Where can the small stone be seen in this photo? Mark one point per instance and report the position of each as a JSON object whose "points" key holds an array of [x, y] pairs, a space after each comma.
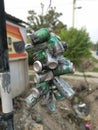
{"points": [[87, 118], [37, 127]]}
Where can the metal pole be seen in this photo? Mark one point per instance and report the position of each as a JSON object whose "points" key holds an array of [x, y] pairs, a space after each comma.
{"points": [[5, 89]]}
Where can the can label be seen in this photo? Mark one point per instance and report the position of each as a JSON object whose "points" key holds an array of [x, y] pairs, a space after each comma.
{"points": [[63, 87], [30, 100], [58, 95]]}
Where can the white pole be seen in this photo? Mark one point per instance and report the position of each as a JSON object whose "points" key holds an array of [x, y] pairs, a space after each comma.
{"points": [[6, 95], [73, 13]]}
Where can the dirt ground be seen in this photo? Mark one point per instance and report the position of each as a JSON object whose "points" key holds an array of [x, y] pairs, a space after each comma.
{"points": [[64, 118]]}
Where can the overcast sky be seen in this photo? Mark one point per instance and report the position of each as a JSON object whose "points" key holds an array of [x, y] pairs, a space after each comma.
{"points": [[86, 17]]}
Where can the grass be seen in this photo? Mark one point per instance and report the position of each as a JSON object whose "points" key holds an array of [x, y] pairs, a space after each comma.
{"points": [[94, 59], [95, 70]]}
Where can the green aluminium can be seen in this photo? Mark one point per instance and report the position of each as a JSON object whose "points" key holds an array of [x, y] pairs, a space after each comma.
{"points": [[41, 55], [41, 77], [64, 67], [58, 95], [42, 35], [55, 45], [63, 87], [40, 58], [43, 87], [36, 92], [30, 101]]}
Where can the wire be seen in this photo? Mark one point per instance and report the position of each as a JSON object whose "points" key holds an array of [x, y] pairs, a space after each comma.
{"points": [[88, 0]]}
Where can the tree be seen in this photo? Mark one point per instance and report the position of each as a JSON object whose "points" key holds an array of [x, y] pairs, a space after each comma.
{"points": [[49, 20], [79, 44]]}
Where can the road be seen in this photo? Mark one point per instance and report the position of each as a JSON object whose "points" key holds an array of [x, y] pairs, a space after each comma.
{"points": [[88, 74], [91, 77], [81, 78], [94, 54]]}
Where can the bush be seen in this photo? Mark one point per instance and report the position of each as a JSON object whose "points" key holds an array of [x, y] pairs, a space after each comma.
{"points": [[79, 44], [30, 58]]}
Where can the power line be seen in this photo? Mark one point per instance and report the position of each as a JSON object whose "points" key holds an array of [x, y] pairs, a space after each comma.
{"points": [[88, 0]]}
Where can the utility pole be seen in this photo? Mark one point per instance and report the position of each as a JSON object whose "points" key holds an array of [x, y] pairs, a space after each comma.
{"points": [[73, 15], [73, 11], [5, 88]]}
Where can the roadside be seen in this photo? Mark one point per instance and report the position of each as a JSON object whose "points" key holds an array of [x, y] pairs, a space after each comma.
{"points": [[91, 77], [64, 118], [92, 74], [88, 74], [94, 54]]}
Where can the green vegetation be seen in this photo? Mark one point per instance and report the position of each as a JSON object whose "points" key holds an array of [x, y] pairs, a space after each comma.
{"points": [[95, 70], [30, 59], [49, 20], [79, 44]]}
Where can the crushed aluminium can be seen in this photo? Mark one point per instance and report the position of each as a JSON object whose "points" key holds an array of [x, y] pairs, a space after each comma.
{"points": [[30, 101], [64, 67], [63, 87], [47, 76], [40, 36]]}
